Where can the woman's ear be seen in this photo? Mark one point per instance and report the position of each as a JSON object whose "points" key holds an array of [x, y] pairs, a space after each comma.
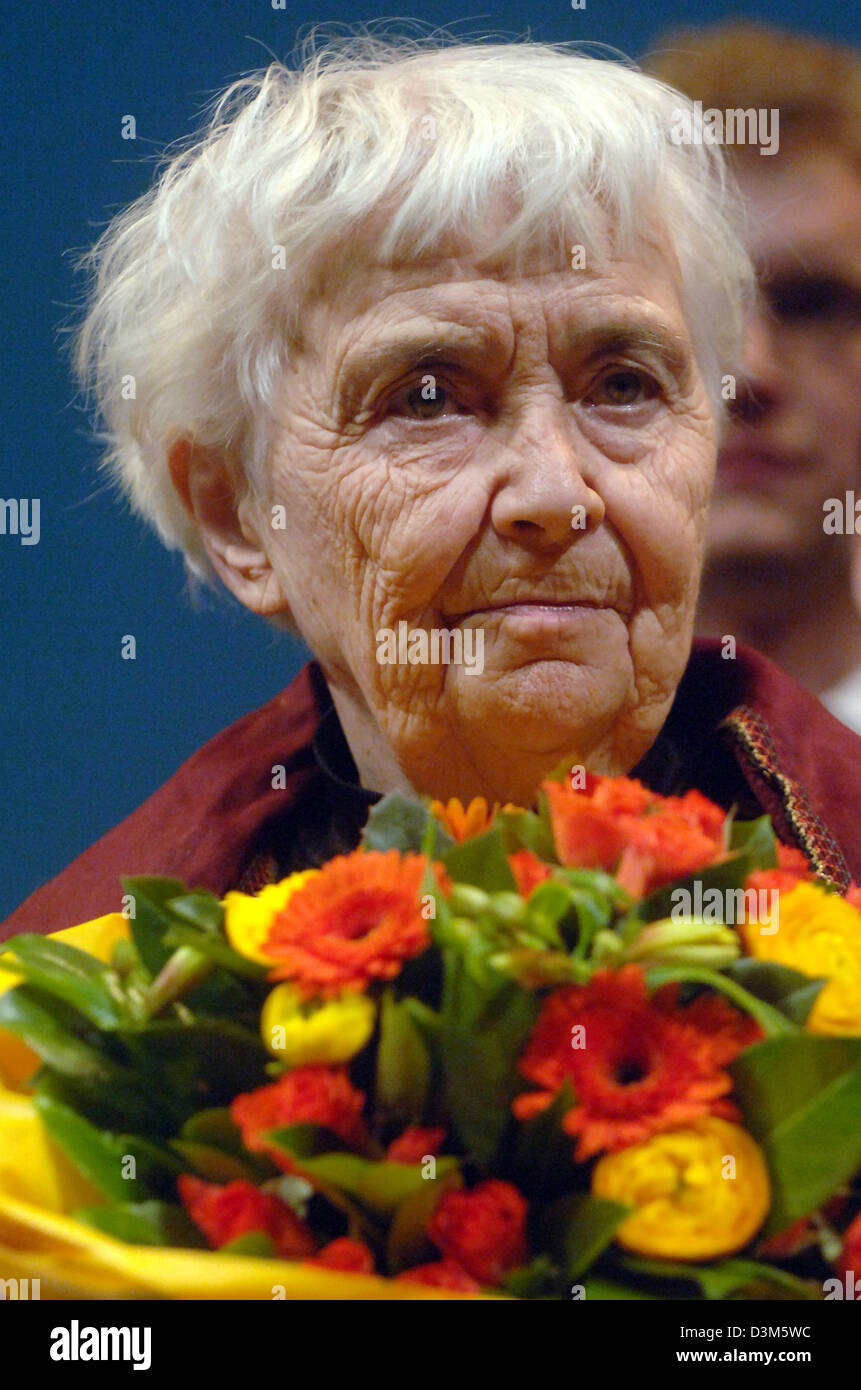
{"points": [[206, 487]]}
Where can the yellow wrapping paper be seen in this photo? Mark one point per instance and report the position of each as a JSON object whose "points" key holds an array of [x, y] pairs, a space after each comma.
{"points": [[39, 1187]]}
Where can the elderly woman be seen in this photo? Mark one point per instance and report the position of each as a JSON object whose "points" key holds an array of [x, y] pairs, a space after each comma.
{"points": [[422, 352]]}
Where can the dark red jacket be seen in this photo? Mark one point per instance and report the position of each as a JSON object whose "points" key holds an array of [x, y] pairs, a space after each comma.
{"points": [[741, 719]]}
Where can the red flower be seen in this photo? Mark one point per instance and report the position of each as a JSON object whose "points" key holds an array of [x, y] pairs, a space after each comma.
{"points": [[850, 1258], [586, 836], [356, 921], [528, 871], [792, 869], [641, 1069], [484, 1230], [618, 825], [305, 1095], [728, 1030], [415, 1144], [441, 1274], [791, 1241], [351, 1256], [225, 1213]]}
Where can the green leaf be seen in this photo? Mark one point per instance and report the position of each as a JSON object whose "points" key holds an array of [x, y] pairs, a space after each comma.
{"points": [[303, 1141], [144, 1223], [529, 830], [398, 822], [216, 949], [201, 909], [482, 861], [773, 1023], [608, 1290], [216, 1127], [103, 1157], [257, 1244], [486, 1021], [598, 884], [801, 1098], [539, 1279], [303, 1144], [152, 897], [755, 839], [225, 995], [211, 1163], [548, 905], [403, 1064], [594, 913], [542, 1161], [408, 1242], [379, 1186], [577, 1228], [725, 1279], [788, 990], [205, 1062], [65, 972], [51, 1027], [127, 1102]]}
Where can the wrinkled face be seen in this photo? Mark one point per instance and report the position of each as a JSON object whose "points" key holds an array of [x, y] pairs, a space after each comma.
{"points": [[525, 460], [797, 440]]}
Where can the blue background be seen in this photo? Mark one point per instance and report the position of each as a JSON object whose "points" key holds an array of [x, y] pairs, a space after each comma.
{"points": [[86, 736]]}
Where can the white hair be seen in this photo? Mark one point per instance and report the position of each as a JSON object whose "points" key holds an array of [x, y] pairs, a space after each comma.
{"points": [[192, 311]]}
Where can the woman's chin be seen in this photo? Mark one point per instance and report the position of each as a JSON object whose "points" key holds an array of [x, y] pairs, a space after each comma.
{"points": [[500, 733], [543, 707]]}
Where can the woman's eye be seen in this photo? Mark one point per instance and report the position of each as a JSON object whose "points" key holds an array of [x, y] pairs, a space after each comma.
{"points": [[426, 400], [622, 388]]}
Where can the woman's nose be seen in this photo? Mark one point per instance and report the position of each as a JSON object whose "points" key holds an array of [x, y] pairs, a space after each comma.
{"points": [[545, 499]]}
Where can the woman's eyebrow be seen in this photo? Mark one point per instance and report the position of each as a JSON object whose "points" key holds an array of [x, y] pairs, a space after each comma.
{"points": [[627, 335], [399, 349]]}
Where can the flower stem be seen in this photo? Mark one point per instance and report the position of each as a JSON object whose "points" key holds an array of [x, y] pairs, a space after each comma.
{"points": [[185, 969]]}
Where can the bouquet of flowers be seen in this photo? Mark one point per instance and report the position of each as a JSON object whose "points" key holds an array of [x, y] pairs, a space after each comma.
{"points": [[609, 1048]]}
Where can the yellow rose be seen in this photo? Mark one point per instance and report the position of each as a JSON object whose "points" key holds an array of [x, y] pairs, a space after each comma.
{"points": [[247, 920], [315, 1034], [818, 933], [701, 1191]]}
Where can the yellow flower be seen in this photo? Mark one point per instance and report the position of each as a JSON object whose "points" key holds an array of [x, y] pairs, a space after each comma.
{"points": [[700, 1191], [315, 1034], [818, 933], [247, 919]]}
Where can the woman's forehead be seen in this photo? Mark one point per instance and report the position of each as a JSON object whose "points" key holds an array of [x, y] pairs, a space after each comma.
{"points": [[407, 307]]}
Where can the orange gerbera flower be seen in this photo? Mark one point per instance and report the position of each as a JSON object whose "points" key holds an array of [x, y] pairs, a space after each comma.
{"points": [[727, 1030], [357, 920], [635, 1069], [618, 825], [465, 823]]}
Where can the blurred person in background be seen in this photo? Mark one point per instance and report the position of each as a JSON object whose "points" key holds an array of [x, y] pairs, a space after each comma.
{"points": [[783, 563]]}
